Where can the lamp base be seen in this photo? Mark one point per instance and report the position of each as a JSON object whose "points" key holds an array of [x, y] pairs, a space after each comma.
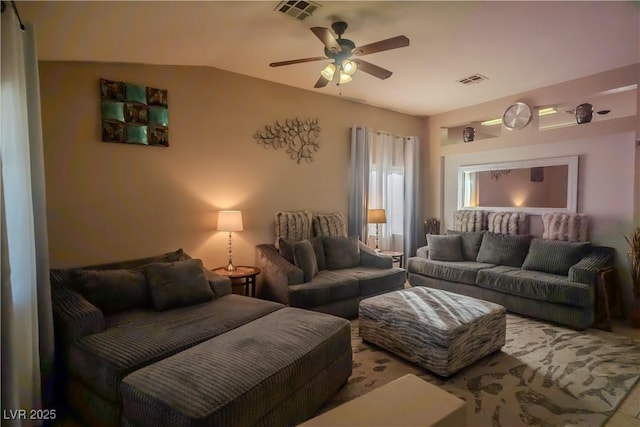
{"points": [[231, 267]]}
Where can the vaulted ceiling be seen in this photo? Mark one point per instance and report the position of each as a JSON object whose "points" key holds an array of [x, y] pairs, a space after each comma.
{"points": [[518, 46]]}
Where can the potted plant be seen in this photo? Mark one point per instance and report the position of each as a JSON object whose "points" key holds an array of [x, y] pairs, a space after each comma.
{"points": [[634, 258]]}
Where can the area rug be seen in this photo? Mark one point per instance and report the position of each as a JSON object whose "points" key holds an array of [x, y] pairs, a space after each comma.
{"points": [[545, 375]]}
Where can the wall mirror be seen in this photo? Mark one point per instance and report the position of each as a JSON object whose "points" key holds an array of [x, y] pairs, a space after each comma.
{"points": [[533, 186]]}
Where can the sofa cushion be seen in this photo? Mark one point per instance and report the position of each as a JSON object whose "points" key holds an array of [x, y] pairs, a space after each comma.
{"points": [[504, 249], [554, 256], [373, 280], [536, 285], [305, 259], [471, 241], [341, 252], [260, 371], [328, 286], [112, 291], [178, 284], [135, 338], [452, 271], [60, 276], [444, 248]]}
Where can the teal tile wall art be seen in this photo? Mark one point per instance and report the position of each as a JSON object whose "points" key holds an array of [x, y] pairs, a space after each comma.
{"points": [[134, 114]]}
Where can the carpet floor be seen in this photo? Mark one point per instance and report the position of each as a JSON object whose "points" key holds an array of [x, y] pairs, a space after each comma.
{"points": [[545, 375]]}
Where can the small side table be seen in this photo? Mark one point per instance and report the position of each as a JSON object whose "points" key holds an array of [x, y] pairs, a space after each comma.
{"points": [[608, 300], [243, 275], [396, 256]]}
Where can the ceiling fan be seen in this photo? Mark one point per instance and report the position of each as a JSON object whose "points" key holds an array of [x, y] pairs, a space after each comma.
{"points": [[341, 52]]}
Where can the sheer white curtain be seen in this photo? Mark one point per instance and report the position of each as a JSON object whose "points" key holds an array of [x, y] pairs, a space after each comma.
{"points": [[27, 326], [386, 188], [384, 174]]}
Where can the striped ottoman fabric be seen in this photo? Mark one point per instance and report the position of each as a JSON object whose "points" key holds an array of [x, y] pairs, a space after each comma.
{"points": [[277, 370], [437, 330]]}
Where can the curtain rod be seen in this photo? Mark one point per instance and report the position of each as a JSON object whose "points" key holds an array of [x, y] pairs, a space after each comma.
{"points": [[15, 10]]}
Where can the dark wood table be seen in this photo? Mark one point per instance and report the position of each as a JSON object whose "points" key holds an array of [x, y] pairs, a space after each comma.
{"points": [[243, 275], [396, 256]]}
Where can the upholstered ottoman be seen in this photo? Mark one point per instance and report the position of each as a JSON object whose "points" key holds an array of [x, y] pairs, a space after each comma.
{"points": [[281, 375], [437, 330]]}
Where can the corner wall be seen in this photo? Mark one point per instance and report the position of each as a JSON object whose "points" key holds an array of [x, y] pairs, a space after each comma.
{"points": [[109, 202]]}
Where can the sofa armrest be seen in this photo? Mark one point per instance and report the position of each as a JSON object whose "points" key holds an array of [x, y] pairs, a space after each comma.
{"points": [[220, 285], [277, 274], [370, 258], [423, 252], [586, 271], [74, 316]]}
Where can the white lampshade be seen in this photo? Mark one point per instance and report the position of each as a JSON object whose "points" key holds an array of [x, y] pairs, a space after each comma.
{"points": [[229, 221], [344, 78], [376, 216], [328, 71], [349, 67]]}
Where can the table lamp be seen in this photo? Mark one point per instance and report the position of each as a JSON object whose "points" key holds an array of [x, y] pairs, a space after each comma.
{"points": [[377, 217], [230, 221]]}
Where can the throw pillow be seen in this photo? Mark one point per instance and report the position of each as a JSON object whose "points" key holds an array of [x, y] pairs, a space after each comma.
{"points": [[318, 249], [445, 248], [112, 291], [285, 247], [286, 250], [504, 249], [305, 259], [331, 224], [341, 252], [178, 284], [293, 225], [554, 256], [471, 241]]}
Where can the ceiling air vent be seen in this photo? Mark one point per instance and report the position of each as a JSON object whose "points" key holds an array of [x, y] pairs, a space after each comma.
{"points": [[475, 78], [298, 9]]}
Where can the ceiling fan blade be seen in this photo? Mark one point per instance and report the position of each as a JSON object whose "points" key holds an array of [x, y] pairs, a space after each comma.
{"points": [[327, 38], [382, 45], [297, 61], [322, 82], [374, 70]]}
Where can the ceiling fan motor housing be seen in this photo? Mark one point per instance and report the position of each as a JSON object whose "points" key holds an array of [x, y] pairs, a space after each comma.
{"points": [[339, 27], [347, 48]]}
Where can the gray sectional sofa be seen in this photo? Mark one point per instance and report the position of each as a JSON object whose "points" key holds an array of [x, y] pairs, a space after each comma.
{"points": [[546, 279], [162, 341], [343, 271]]}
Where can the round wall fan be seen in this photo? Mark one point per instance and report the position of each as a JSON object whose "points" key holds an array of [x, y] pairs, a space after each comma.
{"points": [[341, 52]]}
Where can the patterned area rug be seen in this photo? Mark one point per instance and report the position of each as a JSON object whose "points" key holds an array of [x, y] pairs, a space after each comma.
{"points": [[545, 375]]}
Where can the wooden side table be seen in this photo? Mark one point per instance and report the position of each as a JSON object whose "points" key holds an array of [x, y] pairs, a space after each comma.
{"points": [[608, 298], [396, 256], [243, 275]]}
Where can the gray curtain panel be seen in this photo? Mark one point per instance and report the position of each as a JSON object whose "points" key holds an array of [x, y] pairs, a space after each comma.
{"points": [[411, 196], [358, 182]]}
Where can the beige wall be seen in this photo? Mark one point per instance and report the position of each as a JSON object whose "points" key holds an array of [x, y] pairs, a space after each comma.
{"points": [[608, 169], [108, 202]]}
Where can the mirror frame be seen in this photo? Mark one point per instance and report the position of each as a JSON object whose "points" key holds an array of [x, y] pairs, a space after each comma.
{"points": [[572, 183]]}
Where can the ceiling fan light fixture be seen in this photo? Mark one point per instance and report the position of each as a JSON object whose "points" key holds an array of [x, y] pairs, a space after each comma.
{"points": [[328, 72], [344, 78], [349, 67]]}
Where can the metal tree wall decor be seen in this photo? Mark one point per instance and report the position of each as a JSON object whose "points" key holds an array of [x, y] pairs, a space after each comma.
{"points": [[299, 137]]}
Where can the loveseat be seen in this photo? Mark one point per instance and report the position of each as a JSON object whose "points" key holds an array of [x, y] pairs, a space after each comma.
{"points": [[162, 341], [547, 279], [330, 274]]}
